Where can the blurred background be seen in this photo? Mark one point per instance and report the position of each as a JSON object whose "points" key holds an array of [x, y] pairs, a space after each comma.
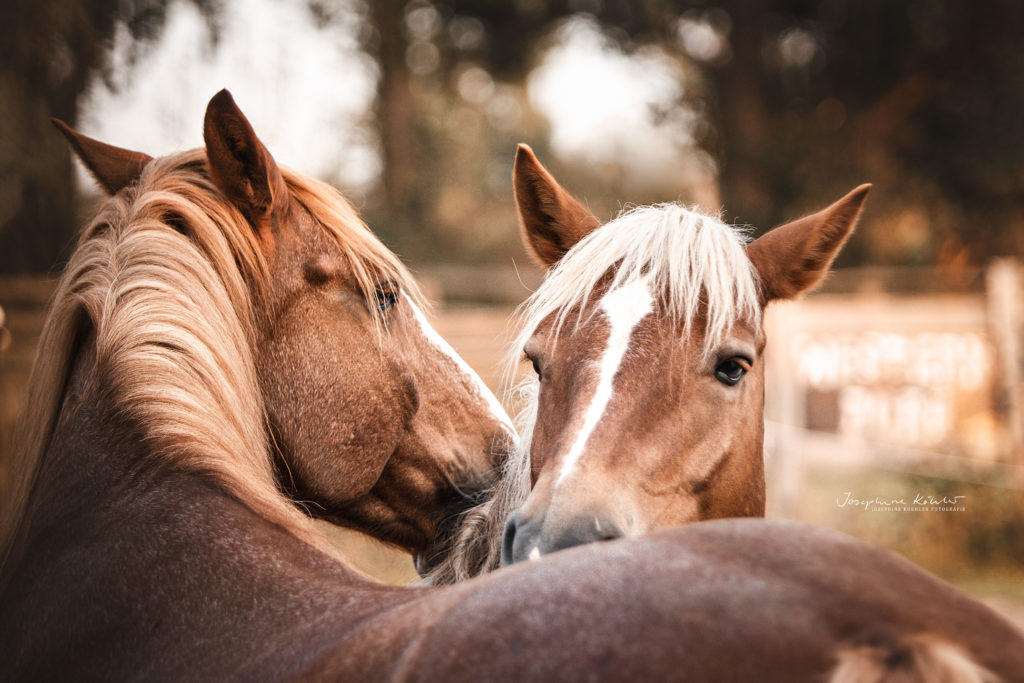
{"points": [[903, 377]]}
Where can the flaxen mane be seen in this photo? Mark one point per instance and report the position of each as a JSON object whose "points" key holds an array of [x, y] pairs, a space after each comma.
{"points": [[698, 265], [169, 279]]}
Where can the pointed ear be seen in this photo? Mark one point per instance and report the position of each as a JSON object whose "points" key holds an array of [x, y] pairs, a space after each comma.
{"points": [[551, 219], [794, 257], [114, 168], [240, 165]]}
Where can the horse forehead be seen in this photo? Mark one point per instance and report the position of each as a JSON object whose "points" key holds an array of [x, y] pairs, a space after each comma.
{"points": [[627, 305], [309, 255], [623, 308], [300, 248], [585, 324]]}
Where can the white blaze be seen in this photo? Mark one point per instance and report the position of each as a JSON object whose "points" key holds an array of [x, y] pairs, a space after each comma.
{"points": [[624, 308], [437, 340]]}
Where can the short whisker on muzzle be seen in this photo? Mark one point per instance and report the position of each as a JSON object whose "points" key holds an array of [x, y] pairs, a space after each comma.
{"points": [[504, 444]]}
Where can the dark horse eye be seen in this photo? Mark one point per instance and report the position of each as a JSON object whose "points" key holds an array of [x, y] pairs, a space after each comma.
{"points": [[730, 372], [387, 295]]}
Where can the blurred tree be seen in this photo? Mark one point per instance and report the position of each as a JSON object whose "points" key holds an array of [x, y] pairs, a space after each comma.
{"points": [[49, 51], [798, 100], [421, 47], [804, 98], [809, 97], [429, 53], [921, 98]]}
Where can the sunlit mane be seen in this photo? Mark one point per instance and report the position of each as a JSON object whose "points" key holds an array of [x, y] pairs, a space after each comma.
{"points": [[169, 279], [696, 265]]}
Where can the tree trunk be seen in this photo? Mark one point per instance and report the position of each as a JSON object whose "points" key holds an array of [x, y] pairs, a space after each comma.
{"points": [[396, 116]]}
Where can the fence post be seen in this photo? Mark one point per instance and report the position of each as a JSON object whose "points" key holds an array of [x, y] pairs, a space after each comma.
{"points": [[1004, 283]]}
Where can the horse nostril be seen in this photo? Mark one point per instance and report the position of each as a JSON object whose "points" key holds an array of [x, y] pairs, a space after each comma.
{"points": [[508, 539], [526, 538], [606, 531]]}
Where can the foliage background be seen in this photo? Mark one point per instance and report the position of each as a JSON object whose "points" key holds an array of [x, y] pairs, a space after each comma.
{"points": [[774, 107]]}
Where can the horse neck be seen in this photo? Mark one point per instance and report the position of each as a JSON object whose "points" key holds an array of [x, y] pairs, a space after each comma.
{"points": [[107, 537]]}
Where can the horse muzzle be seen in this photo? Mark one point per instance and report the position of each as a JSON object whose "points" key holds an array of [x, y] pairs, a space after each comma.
{"points": [[528, 539]]}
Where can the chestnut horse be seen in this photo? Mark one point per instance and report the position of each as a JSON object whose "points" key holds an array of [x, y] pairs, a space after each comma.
{"points": [[227, 329], [664, 306], [647, 343]]}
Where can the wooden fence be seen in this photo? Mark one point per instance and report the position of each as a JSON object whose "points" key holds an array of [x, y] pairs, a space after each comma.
{"points": [[927, 383]]}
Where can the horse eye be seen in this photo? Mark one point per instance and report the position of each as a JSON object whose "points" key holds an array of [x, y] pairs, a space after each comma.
{"points": [[387, 295], [730, 372]]}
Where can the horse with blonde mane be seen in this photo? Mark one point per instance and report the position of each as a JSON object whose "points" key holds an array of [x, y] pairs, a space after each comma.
{"points": [[228, 345], [646, 341], [645, 414]]}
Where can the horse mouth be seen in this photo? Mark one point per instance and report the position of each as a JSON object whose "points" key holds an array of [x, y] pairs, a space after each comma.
{"points": [[449, 532], [423, 565], [443, 544]]}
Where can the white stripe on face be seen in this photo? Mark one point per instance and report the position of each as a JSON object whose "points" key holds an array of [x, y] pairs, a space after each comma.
{"points": [[437, 340], [624, 308]]}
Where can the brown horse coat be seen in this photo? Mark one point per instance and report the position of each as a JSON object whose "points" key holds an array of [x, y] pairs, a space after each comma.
{"points": [[172, 579]]}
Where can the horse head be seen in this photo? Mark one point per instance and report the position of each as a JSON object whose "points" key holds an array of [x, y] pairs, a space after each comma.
{"points": [[368, 417], [647, 343]]}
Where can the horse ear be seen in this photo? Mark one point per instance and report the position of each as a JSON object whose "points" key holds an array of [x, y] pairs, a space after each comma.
{"points": [[240, 165], [794, 257], [552, 220], [114, 168]]}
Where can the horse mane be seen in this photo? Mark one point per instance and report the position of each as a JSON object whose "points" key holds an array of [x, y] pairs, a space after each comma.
{"points": [[698, 266], [171, 280], [696, 263]]}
